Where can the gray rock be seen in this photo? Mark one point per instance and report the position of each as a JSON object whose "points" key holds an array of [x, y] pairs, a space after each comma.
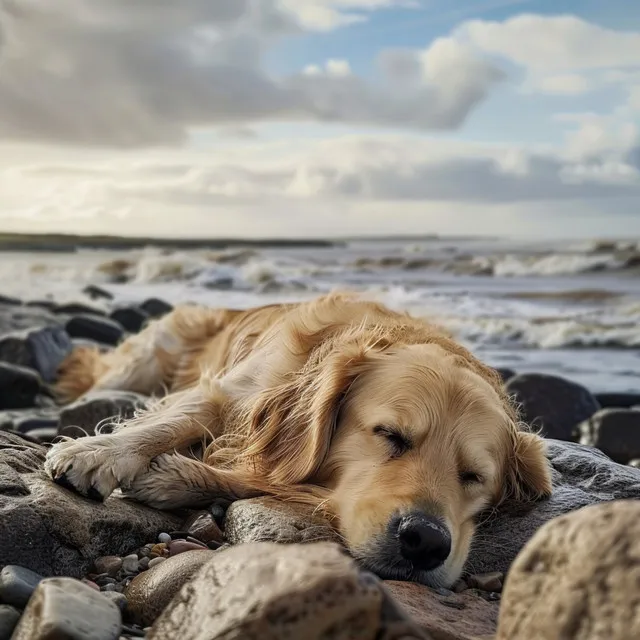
{"points": [[616, 432], [26, 420], [19, 386], [17, 584], [552, 403], [90, 327], [581, 476], [617, 400], [9, 617], [97, 293], [81, 417], [67, 609], [52, 531], [19, 318], [131, 318], [156, 308]]}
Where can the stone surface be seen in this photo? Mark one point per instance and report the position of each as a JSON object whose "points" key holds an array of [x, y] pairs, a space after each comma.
{"points": [[618, 400], [17, 584], [15, 318], [19, 386], [156, 308], [67, 609], [578, 578], [26, 420], [97, 293], [81, 417], [103, 330], [150, 592], [463, 616], [131, 318], [616, 432], [271, 591], [552, 403], [9, 617], [268, 519], [581, 476], [52, 531], [202, 526], [78, 308]]}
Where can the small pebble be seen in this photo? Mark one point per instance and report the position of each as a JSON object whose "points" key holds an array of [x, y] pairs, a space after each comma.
{"points": [[460, 586], [17, 584], [118, 599], [108, 564], [180, 546], [165, 538], [491, 582], [9, 617], [159, 550], [91, 584], [101, 581], [155, 562], [109, 587], [144, 563], [130, 564]]}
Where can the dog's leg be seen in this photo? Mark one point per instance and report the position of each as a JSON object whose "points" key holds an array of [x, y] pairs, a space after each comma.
{"points": [[96, 465]]}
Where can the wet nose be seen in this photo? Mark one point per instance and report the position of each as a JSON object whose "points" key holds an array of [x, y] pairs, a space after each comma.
{"points": [[424, 540]]}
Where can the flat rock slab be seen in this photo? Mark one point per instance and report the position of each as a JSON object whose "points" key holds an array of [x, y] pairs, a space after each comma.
{"points": [[52, 531]]}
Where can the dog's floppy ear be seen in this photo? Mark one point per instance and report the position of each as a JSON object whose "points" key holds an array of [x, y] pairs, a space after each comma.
{"points": [[528, 473], [292, 424]]}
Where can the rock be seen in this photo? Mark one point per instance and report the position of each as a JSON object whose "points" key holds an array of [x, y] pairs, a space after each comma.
{"points": [[42, 434], [94, 328], [634, 463], [617, 400], [118, 599], [581, 476], [15, 318], [149, 593], [265, 590], [156, 308], [67, 609], [165, 538], [552, 403], [130, 563], [505, 373], [17, 584], [577, 578], [52, 531], [97, 293], [491, 582], [109, 565], [78, 308], [203, 526], [81, 417], [9, 617], [42, 349], [462, 616], [616, 432], [28, 419], [154, 562], [19, 386], [10, 301], [131, 318], [176, 547], [268, 519]]}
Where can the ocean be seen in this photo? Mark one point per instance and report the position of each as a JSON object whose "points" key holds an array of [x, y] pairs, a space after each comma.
{"points": [[565, 308]]}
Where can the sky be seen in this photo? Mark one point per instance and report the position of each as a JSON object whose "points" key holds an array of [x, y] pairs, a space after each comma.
{"points": [[301, 118]]}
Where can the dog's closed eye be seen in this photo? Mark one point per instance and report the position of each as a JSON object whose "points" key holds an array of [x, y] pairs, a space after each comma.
{"points": [[468, 478], [397, 442]]}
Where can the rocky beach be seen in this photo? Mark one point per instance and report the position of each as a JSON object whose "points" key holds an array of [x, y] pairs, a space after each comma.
{"points": [[563, 568]]}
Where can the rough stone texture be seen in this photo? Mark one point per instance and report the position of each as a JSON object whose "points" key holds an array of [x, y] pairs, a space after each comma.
{"points": [[150, 592], [581, 476], [578, 578], [19, 386], [271, 591], [81, 417], [53, 531], [616, 432], [67, 609], [103, 330], [455, 616], [554, 404], [202, 526], [28, 419], [268, 519]]}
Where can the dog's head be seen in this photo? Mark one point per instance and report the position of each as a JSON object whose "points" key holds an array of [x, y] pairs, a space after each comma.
{"points": [[412, 442]]}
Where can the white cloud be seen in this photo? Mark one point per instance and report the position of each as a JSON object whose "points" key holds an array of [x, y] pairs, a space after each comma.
{"points": [[106, 72], [564, 84]]}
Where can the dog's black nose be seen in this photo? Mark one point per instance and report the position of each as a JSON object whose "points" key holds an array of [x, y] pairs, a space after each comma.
{"points": [[424, 540]]}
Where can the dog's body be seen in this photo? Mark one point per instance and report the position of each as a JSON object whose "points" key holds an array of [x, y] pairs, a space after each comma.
{"points": [[397, 431]]}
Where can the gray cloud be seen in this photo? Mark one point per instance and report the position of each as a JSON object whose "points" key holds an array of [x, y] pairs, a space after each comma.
{"points": [[123, 74]]}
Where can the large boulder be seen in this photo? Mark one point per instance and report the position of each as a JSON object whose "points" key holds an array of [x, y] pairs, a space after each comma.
{"points": [[578, 578], [582, 476], [52, 531], [552, 404], [19, 386], [616, 432]]}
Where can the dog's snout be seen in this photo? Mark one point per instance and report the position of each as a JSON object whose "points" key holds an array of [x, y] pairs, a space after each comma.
{"points": [[424, 540]]}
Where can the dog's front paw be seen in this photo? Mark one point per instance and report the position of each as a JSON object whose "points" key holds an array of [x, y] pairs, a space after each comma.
{"points": [[93, 466]]}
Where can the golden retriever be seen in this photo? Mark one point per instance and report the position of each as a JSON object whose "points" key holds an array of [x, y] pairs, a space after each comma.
{"points": [[380, 418]]}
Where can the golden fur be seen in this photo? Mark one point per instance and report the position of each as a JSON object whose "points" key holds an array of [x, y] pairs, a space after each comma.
{"points": [[340, 402]]}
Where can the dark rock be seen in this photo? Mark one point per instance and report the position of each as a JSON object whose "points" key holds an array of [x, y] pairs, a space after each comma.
{"points": [[505, 373], [553, 404], [28, 419], [9, 617], [617, 400], [616, 432], [97, 293], [581, 476], [41, 349], [78, 309], [17, 584], [82, 417], [47, 305], [19, 386], [155, 307], [131, 318], [13, 318], [52, 531], [67, 609], [9, 301], [94, 328]]}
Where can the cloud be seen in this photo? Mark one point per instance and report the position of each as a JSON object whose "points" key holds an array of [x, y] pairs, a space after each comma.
{"points": [[106, 72]]}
